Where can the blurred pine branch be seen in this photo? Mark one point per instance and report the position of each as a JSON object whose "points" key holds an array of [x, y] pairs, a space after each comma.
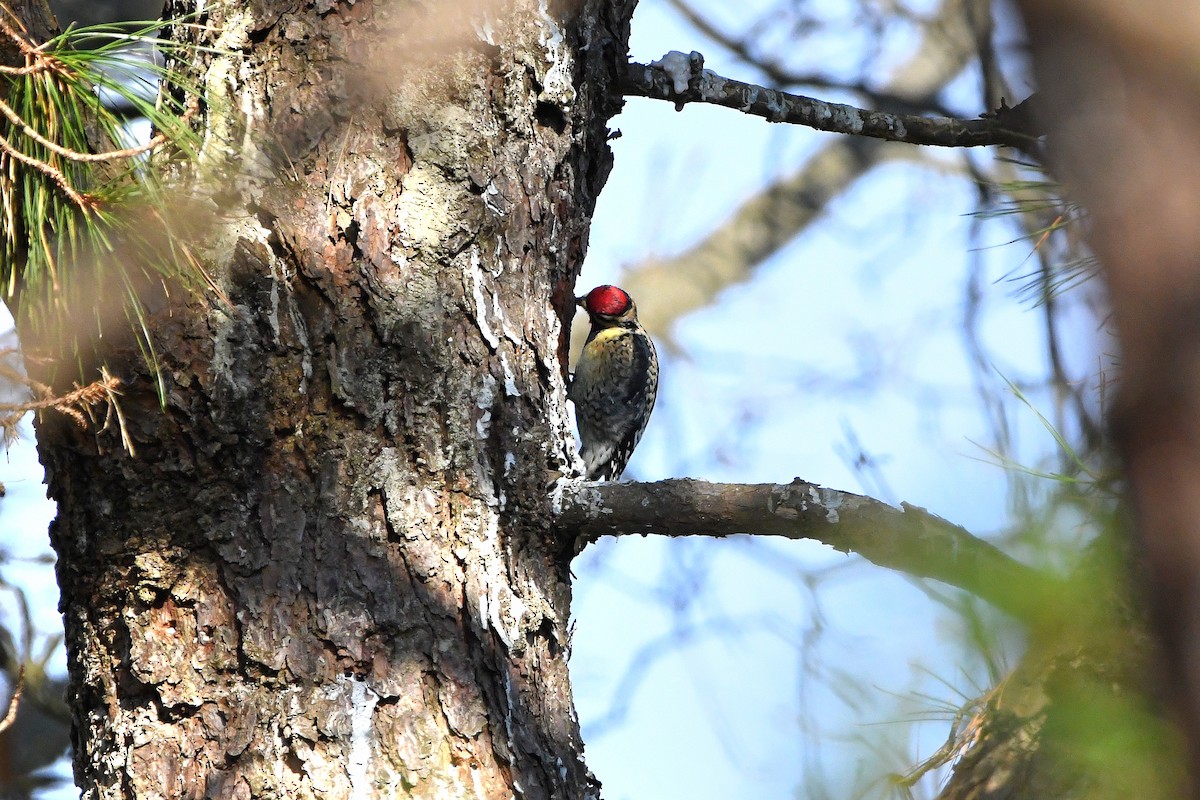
{"points": [[89, 220]]}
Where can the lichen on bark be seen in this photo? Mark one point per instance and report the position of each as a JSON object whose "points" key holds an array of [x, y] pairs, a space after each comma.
{"points": [[329, 570]]}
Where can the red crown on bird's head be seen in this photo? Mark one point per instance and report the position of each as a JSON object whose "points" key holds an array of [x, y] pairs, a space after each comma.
{"points": [[607, 301]]}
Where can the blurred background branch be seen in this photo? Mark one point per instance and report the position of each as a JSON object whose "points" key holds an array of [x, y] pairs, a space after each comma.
{"points": [[667, 288]]}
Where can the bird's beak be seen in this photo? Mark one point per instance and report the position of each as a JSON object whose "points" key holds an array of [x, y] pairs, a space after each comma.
{"points": [[579, 301]]}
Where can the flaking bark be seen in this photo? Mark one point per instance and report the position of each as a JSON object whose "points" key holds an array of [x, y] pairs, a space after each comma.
{"points": [[329, 570]]}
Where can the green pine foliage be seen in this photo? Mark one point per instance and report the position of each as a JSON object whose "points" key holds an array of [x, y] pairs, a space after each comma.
{"points": [[86, 227]]}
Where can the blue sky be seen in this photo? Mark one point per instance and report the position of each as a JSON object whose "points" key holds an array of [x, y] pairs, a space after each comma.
{"points": [[769, 687], [770, 682]]}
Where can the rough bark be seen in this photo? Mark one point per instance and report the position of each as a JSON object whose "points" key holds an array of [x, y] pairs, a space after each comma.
{"points": [[329, 570]]}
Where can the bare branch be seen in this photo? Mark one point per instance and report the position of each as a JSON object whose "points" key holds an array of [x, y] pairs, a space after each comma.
{"points": [[908, 539], [14, 701], [83, 201], [76, 404], [682, 79], [74, 155], [779, 75], [669, 288]]}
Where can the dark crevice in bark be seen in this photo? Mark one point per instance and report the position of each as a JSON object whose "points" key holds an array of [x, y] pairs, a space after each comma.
{"points": [[321, 497], [550, 116]]}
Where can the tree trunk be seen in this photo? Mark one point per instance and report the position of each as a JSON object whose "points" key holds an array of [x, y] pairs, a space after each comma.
{"points": [[1121, 108], [328, 571]]}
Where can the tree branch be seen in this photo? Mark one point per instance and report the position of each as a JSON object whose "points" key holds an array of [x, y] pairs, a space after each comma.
{"points": [[775, 72], [682, 79], [668, 288], [908, 539]]}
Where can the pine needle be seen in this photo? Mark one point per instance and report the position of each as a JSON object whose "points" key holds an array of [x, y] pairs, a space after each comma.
{"points": [[82, 209]]}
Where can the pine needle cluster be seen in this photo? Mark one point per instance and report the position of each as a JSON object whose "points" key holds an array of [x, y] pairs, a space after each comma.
{"points": [[85, 221]]}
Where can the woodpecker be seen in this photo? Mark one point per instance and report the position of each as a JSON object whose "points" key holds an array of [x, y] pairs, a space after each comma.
{"points": [[615, 383]]}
